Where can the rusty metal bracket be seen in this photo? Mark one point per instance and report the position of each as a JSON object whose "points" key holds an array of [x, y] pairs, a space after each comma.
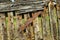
{"points": [[30, 20]]}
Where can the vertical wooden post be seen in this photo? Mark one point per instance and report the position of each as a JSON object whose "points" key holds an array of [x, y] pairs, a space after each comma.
{"points": [[36, 29], [44, 24], [52, 21], [40, 27], [20, 35], [48, 36], [28, 28], [47, 25], [25, 18], [1, 35], [10, 26], [58, 18], [32, 30], [3, 28], [17, 34]]}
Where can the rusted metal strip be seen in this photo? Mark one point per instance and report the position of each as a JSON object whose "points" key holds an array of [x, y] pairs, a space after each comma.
{"points": [[29, 21]]}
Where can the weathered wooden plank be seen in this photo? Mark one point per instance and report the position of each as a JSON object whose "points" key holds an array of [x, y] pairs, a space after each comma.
{"points": [[36, 28], [58, 29], [3, 31], [4, 26], [40, 27], [32, 32], [44, 24], [32, 29], [22, 35], [52, 21], [17, 25], [47, 25], [28, 28], [10, 29], [58, 18], [26, 18], [1, 36]]}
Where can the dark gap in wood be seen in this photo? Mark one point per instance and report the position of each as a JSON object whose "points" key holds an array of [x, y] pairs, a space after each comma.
{"points": [[30, 14], [55, 6], [39, 15], [32, 24], [59, 18], [2, 24], [14, 13], [17, 14], [24, 30], [6, 14], [41, 39], [31, 17], [22, 16]]}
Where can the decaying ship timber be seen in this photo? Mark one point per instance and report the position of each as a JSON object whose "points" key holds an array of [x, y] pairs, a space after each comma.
{"points": [[32, 20]]}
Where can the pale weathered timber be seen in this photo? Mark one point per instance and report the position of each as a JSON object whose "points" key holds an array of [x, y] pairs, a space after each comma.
{"points": [[20, 35], [4, 27], [32, 32], [36, 28], [10, 28], [17, 25], [51, 29], [28, 28], [3, 31], [58, 18], [1, 34], [47, 24], [40, 27], [55, 23], [26, 18], [44, 24], [52, 21]]}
